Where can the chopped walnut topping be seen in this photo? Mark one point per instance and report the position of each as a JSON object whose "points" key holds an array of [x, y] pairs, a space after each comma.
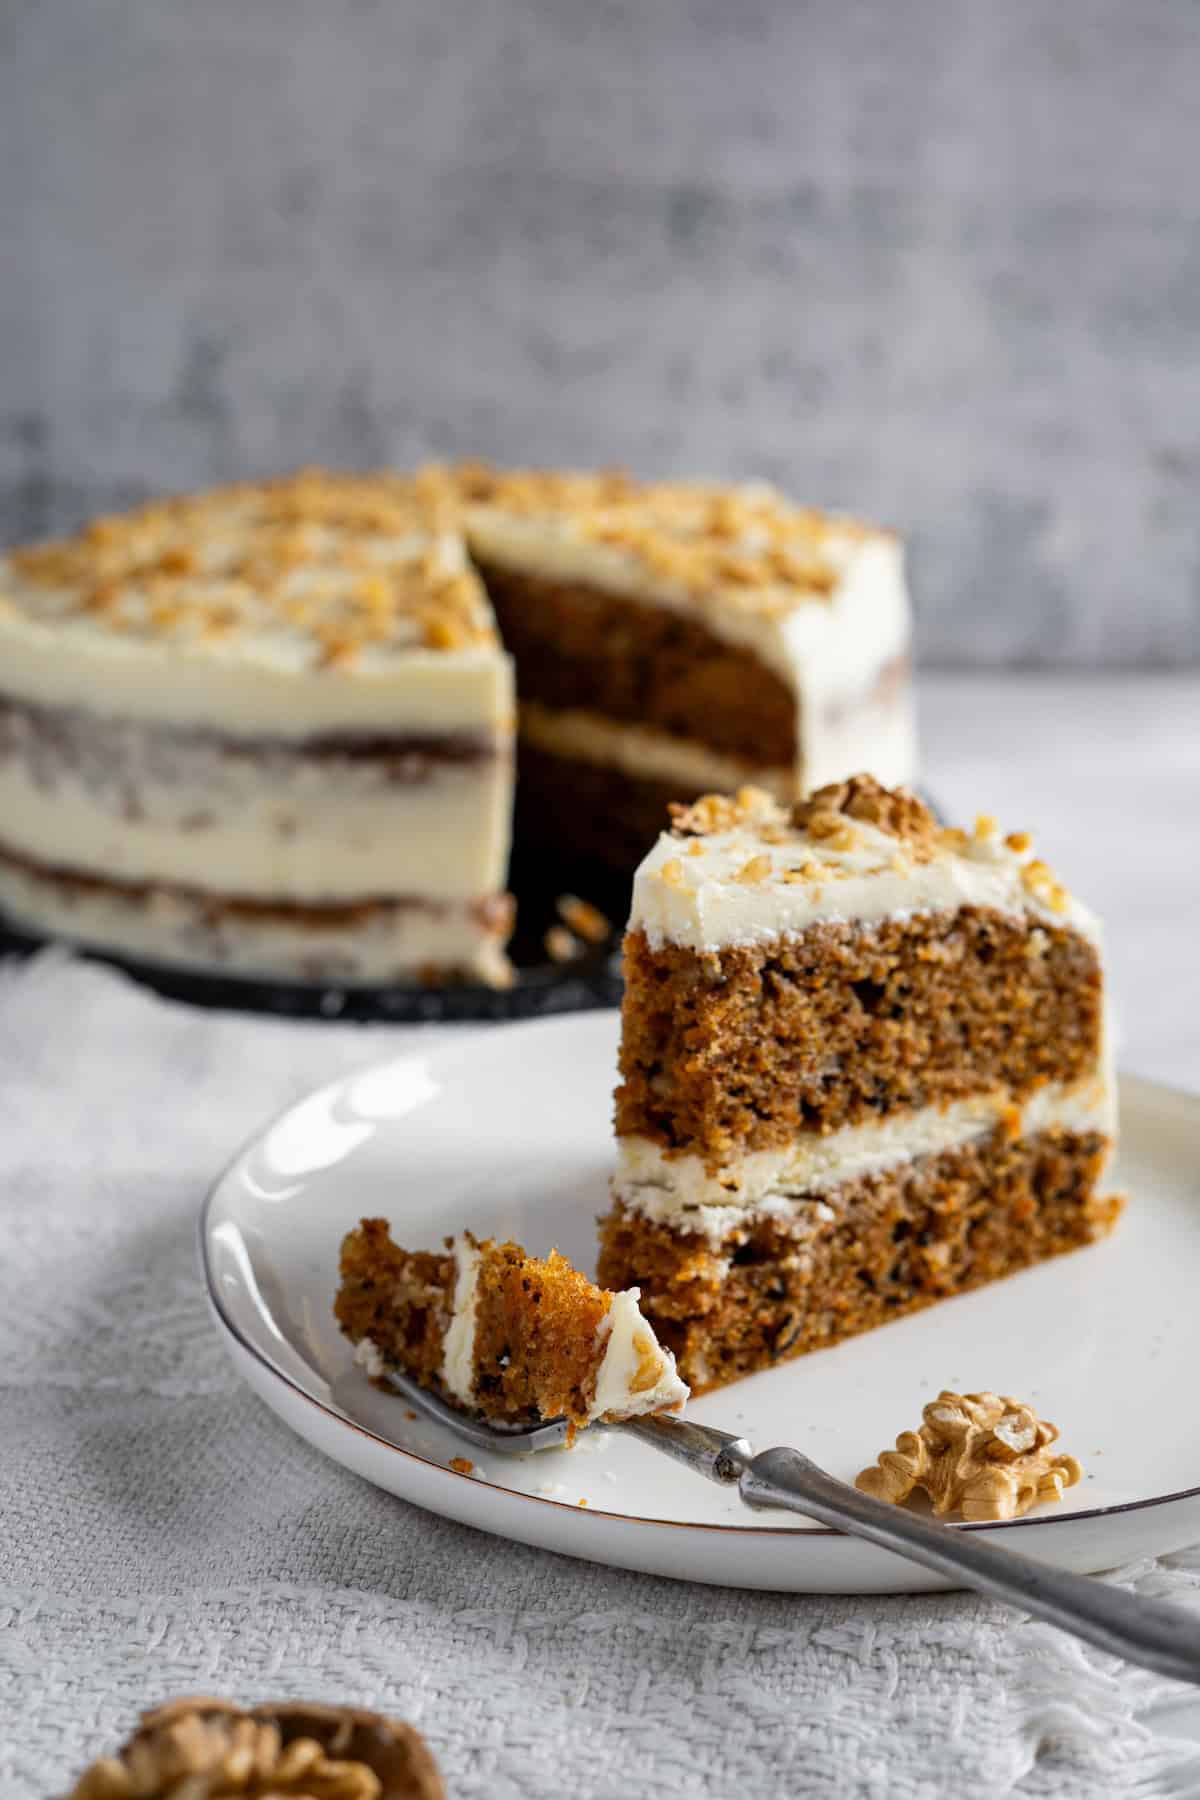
{"points": [[202, 1749], [985, 827], [1020, 841], [757, 869], [584, 919], [348, 560], [748, 547], [562, 946], [891, 810], [720, 812], [984, 1455], [672, 873], [1044, 885]]}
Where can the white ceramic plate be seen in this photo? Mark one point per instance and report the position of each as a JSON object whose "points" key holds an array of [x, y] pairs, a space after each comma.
{"points": [[507, 1132]]}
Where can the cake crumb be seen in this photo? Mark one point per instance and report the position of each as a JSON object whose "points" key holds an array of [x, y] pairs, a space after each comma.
{"points": [[462, 1465], [561, 945], [582, 1502], [584, 919], [986, 1456]]}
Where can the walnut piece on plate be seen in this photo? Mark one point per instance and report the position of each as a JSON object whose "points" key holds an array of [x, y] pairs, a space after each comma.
{"points": [[984, 1455], [202, 1749]]}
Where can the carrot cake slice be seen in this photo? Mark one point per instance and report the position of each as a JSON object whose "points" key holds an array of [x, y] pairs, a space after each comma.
{"points": [[507, 1335], [266, 730], [863, 1067], [674, 637]]}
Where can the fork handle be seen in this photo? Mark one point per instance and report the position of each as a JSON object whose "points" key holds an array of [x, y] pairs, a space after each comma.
{"points": [[1148, 1632]]}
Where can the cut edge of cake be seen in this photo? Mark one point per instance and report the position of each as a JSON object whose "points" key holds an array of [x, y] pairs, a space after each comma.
{"points": [[724, 591]]}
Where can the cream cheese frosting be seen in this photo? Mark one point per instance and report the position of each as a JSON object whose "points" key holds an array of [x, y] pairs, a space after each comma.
{"points": [[188, 929], [755, 876], [636, 1374], [458, 1345], [280, 609], [792, 1182], [643, 751]]}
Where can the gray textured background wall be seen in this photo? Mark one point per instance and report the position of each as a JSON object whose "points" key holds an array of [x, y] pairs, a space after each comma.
{"points": [[935, 261]]}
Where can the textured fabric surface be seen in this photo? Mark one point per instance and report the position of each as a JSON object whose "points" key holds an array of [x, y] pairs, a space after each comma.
{"points": [[161, 1532]]}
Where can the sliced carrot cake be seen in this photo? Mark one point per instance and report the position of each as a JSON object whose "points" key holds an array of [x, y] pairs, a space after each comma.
{"points": [[863, 1067], [504, 1334]]}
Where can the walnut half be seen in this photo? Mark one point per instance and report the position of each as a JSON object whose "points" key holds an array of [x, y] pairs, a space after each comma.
{"points": [[202, 1749], [984, 1455]]}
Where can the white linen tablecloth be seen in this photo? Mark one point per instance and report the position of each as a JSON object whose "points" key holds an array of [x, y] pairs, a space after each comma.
{"points": [[161, 1531]]}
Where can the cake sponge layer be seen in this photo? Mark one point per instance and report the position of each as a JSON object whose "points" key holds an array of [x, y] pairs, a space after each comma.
{"points": [[860, 1254]]}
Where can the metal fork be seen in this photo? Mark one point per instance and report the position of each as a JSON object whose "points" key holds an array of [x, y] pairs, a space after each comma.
{"points": [[1147, 1632]]}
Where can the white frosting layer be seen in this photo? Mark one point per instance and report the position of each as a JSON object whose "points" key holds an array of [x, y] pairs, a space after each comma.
{"points": [[639, 750], [287, 829], [264, 689], [702, 904], [173, 927], [796, 1181], [628, 1342], [370, 1357], [458, 1345]]}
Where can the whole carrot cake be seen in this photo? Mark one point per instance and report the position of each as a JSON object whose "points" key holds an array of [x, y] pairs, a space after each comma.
{"points": [[270, 730], [507, 1335], [863, 1067]]}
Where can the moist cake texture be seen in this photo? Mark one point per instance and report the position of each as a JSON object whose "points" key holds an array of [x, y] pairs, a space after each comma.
{"points": [[267, 729], [863, 1066], [688, 636], [496, 1331]]}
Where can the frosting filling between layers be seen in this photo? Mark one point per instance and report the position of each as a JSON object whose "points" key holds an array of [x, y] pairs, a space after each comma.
{"points": [[373, 941], [643, 752], [789, 1181], [303, 831], [458, 1345]]}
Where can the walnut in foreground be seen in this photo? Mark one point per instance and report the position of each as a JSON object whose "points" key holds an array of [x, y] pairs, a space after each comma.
{"points": [[984, 1455], [202, 1749]]}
